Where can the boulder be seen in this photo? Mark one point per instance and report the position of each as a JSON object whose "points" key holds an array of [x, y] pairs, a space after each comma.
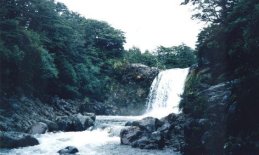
{"points": [[16, 139], [143, 134], [130, 134], [154, 140], [38, 128], [68, 150], [52, 126], [152, 133], [77, 122], [149, 124]]}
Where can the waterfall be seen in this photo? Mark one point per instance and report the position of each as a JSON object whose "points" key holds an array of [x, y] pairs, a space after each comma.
{"points": [[165, 91]]}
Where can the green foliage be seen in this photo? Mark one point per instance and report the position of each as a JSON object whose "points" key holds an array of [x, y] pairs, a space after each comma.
{"points": [[180, 56], [214, 11], [177, 56], [45, 49]]}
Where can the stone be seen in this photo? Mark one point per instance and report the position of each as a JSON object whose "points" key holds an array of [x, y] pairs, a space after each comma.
{"points": [[38, 128], [130, 134], [68, 150], [149, 124], [77, 122], [16, 139], [152, 141]]}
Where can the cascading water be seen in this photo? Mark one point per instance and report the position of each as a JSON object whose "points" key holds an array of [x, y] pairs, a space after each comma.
{"points": [[104, 138], [165, 91]]}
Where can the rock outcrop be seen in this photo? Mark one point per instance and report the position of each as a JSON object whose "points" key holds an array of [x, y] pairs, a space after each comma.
{"points": [[24, 114], [131, 88], [207, 132]]}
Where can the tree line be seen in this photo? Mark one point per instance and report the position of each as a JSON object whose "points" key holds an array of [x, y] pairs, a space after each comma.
{"points": [[47, 50]]}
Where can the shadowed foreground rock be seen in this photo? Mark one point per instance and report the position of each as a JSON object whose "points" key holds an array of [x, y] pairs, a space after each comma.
{"points": [[16, 139]]}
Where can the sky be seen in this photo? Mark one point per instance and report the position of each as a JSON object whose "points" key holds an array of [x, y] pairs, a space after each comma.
{"points": [[147, 23]]}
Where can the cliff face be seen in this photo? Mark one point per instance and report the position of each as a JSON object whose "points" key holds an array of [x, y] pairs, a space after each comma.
{"points": [[129, 92], [206, 108], [127, 96]]}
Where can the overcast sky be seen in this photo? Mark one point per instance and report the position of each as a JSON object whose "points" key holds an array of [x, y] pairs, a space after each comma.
{"points": [[146, 23]]}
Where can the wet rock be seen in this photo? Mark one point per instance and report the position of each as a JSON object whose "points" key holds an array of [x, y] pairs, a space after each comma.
{"points": [[149, 124], [16, 139], [38, 128], [152, 133], [130, 134], [143, 134], [52, 126], [77, 122], [154, 140], [68, 150]]}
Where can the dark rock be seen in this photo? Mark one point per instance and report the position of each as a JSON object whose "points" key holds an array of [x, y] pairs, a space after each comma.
{"points": [[130, 134], [144, 134], [16, 139], [149, 124], [130, 89], [170, 118], [77, 122], [68, 150], [86, 121], [38, 128], [140, 72], [52, 126], [206, 132], [98, 108], [152, 141]]}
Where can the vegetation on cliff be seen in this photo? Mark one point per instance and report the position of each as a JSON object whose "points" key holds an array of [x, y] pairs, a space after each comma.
{"points": [[227, 50], [47, 50]]}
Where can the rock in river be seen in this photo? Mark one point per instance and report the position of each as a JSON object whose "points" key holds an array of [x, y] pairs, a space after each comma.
{"points": [[68, 150], [38, 128], [77, 122], [16, 139]]}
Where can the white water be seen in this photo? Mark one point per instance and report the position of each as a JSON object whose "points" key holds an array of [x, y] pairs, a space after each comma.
{"points": [[165, 91], [104, 138]]}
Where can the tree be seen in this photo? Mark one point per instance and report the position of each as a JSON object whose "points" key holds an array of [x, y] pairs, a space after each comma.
{"points": [[213, 11]]}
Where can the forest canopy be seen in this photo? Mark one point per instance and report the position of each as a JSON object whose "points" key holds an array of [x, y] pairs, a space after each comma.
{"points": [[46, 49]]}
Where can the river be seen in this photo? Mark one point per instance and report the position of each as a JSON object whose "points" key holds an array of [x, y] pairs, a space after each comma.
{"points": [[103, 138]]}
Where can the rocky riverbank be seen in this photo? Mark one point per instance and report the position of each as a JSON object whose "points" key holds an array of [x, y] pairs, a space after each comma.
{"points": [[153, 133], [23, 117]]}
